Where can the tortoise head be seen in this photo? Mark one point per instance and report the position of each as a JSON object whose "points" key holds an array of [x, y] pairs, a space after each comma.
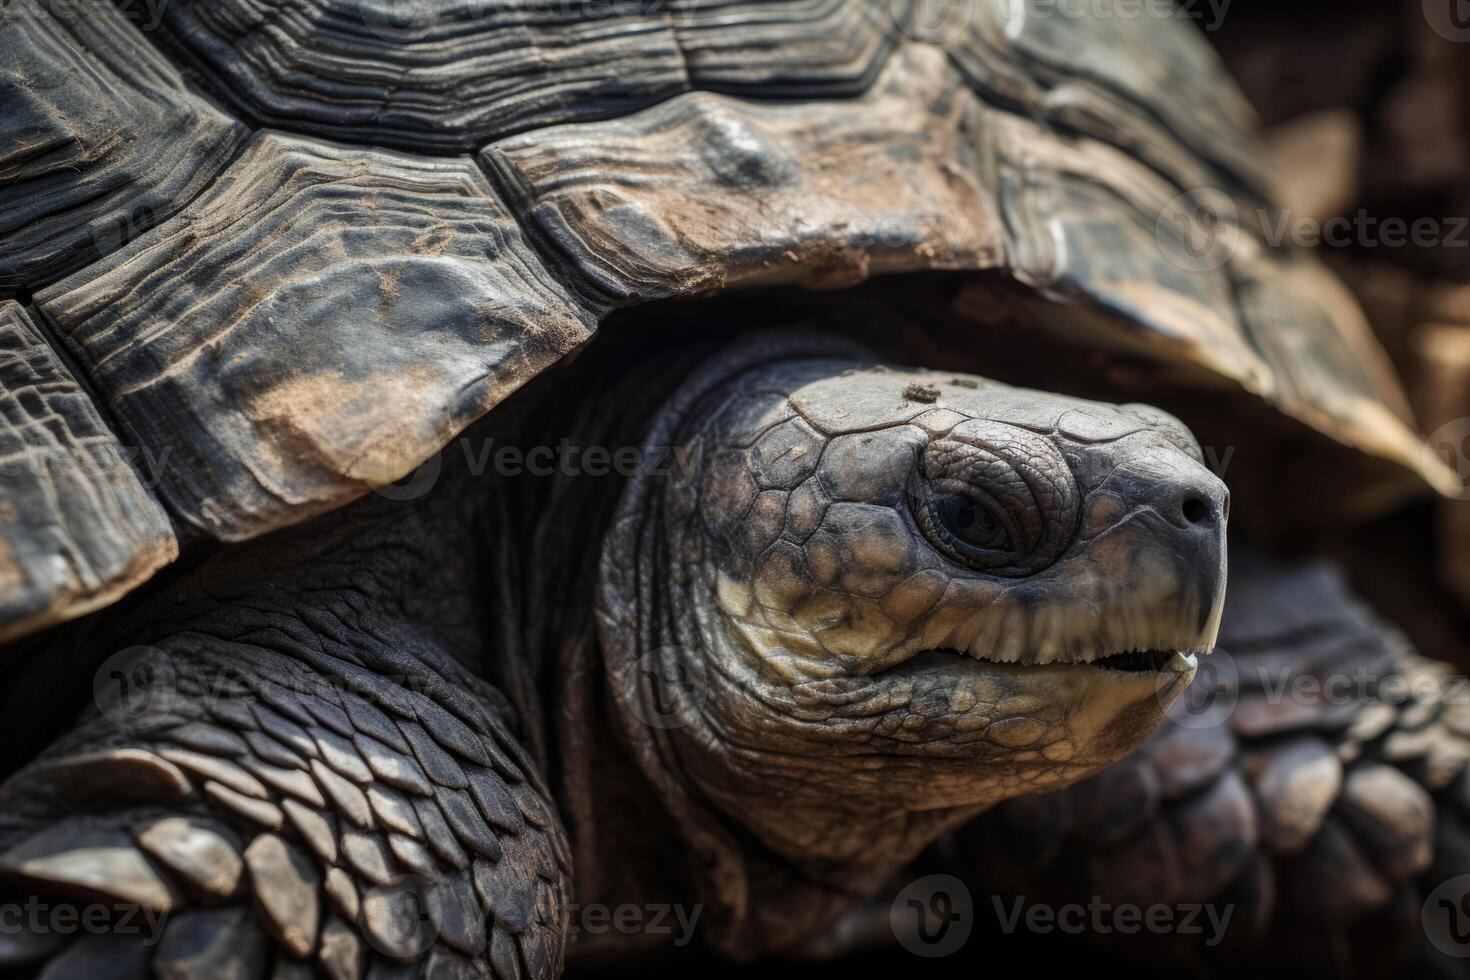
{"points": [[864, 601]]}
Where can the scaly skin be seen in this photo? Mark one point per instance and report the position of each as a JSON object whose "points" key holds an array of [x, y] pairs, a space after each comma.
{"points": [[799, 570], [876, 660]]}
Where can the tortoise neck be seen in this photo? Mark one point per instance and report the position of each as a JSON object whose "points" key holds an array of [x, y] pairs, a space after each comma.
{"points": [[579, 432], [646, 824], [768, 874]]}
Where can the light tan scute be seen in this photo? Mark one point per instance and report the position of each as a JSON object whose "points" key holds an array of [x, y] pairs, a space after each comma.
{"points": [[286, 883], [78, 527], [203, 856], [706, 191], [319, 322], [89, 860]]}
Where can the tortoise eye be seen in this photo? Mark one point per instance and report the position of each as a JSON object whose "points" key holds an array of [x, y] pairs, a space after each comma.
{"points": [[995, 498], [970, 521], [966, 527]]}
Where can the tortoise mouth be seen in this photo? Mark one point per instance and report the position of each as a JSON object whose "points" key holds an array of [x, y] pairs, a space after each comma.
{"points": [[1126, 662], [1140, 661]]}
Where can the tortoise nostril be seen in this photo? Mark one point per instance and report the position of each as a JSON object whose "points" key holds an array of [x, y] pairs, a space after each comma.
{"points": [[1196, 511]]}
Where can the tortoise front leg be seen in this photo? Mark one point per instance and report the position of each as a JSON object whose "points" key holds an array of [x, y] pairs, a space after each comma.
{"points": [[292, 774]]}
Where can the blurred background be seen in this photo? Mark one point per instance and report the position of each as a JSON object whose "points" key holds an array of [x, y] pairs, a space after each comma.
{"points": [[1365, 111]]}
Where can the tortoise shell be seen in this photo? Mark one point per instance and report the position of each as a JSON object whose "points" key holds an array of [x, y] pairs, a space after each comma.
{"points": [[264, 255]]}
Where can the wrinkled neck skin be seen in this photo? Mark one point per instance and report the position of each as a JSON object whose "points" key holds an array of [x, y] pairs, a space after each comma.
{"points": [[790, 654], [653, 814]]}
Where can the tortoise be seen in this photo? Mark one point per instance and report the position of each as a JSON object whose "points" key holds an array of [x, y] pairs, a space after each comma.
{"points": [[471, 456]]}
